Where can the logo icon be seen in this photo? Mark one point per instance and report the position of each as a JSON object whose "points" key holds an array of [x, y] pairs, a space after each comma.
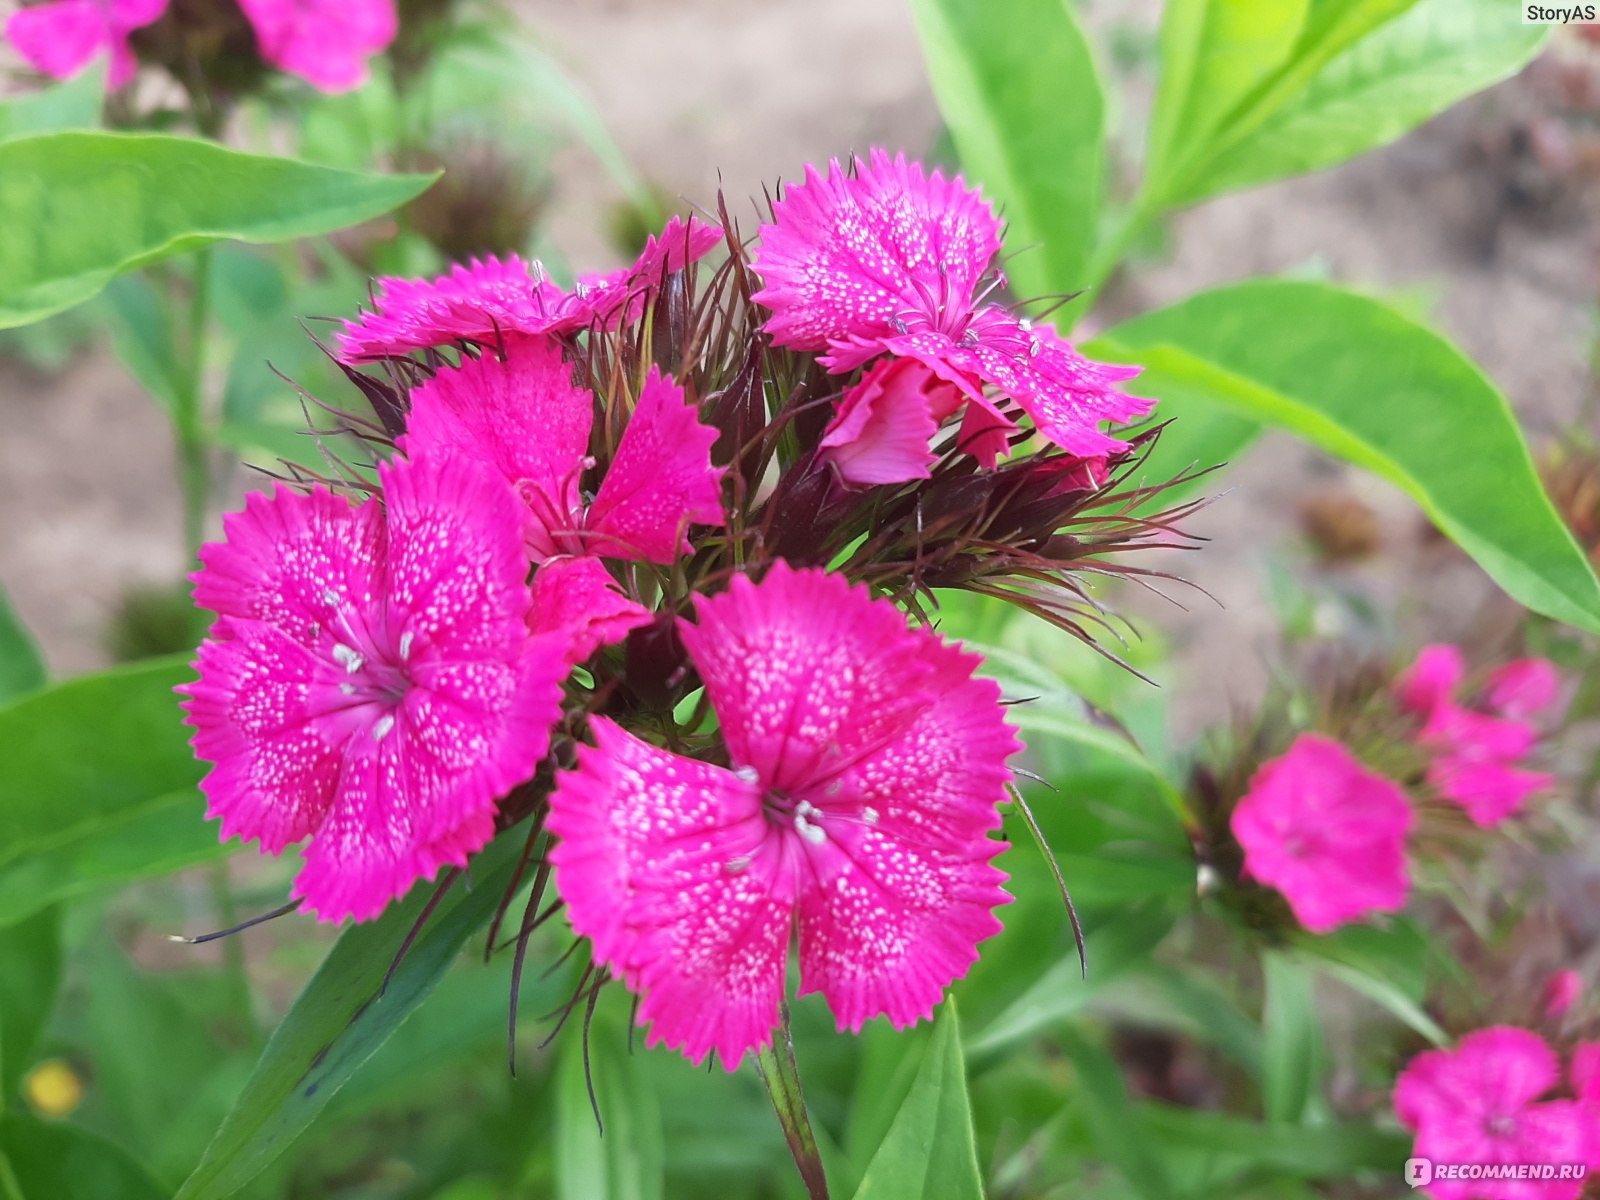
{"points": [[1419, 1172]]}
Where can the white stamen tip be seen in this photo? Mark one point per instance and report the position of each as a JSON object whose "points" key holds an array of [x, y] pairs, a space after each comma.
{"points": [[814, 834], [869, 815], [405, 644], [348, 658], [737, 866], [349, 689], [381, 728], [329, 596], [747, 775]]}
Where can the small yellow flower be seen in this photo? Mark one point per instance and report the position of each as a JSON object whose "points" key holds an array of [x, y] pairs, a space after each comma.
{"points": [[53, 1088]]}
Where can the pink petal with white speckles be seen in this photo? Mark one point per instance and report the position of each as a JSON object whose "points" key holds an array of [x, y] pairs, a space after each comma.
{"points": [[481, 301], [806, 674], [660, 482], [849, 255], [521, 415], [256, 716], [615, 296], [578, 596], [897, 924], [291, 560], [650, 863]]}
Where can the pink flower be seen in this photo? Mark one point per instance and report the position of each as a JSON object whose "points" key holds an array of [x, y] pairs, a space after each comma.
{"points": [[1523, 687], [1479, 1103], [523, 416], [485, 300], [64, 37], [1327, 833], [1586, 1073], [867, 770], [1490, 791], [370, 682], [325, 42], [1561, 992], [891, 261], [1476, 752], [1432, 680]]}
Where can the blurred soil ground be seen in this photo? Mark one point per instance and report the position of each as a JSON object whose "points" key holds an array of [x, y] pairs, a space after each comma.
{"points": [[1480, 218]]}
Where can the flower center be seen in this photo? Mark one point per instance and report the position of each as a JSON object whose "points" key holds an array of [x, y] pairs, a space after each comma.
{"points": [[1500, 1125], [369, 674]]}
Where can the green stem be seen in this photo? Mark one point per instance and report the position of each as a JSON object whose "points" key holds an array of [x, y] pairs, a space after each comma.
{"points": [[233, 963], [781, 1074], [194, 470]]}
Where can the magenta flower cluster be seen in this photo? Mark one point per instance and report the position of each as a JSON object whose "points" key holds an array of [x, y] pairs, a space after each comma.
{"points": [[1330, 834], [325, 42], [573, 545]]}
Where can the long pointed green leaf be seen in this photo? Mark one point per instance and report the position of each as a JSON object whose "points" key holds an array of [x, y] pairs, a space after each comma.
{"points": [[929, 1150], [342, 1017], [1389, 82], [1022, 98], [1366, 383], [21, 667], [79, 208], [1213, 53]]}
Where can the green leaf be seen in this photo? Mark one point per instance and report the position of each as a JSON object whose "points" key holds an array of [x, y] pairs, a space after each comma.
{"points": [[141, 332], [30, 974], [1116, 1125], [1226, 1146], [1292, 1051], [21, 668], [88, 746], [1213, 53], [50, 1161], [156, 837], [74, 104], [1386, 994], [1362, 382], [97, 785], [342, 1017], [1112, 948], [1023, 101], [1409, 70], [626, 1162], [929, 1150], [78, 209]]}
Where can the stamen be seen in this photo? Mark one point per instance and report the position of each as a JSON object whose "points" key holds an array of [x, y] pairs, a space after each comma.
{"points": [[747, 775], [814, 834], [348, 658], [737, 866], [869, 815], [405, 644], [348, 689], [330, 597], [381, 728]]}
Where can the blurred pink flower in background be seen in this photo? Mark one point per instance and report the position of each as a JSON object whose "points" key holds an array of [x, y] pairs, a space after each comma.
{"points": [[1327, 833], [325, 42], [1477, 748], [63, 38], [1523, 688], [1480, 1103], [1561, 992]]}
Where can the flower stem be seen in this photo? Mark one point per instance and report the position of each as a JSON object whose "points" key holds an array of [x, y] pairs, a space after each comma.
{"points": [[194, 472], [781, 1074]]}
